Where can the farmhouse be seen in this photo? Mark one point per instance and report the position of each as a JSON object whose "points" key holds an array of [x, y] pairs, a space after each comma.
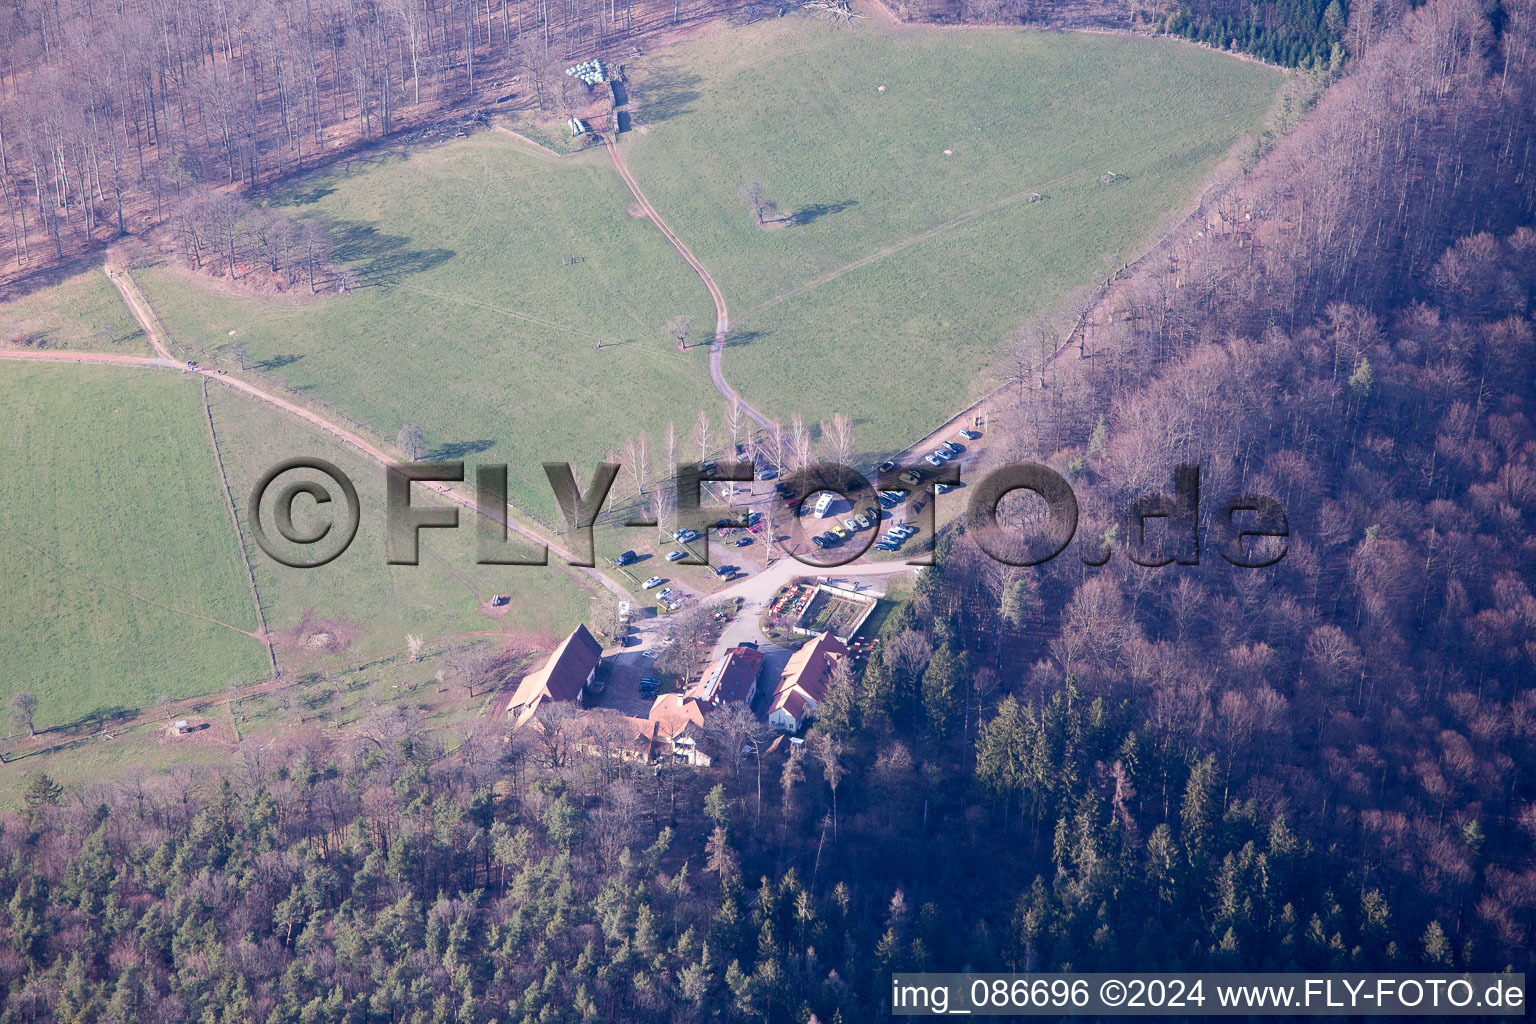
{"points": [[678, 723], [732, 678], [803, 686], [673, 728], [563, 678]]}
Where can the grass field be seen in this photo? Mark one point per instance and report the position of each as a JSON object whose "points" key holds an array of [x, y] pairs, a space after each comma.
{"points": [[882, 291], [116, 540], [120, 550], [469, 323], [901, 267], [376, 603], [81, 311]]}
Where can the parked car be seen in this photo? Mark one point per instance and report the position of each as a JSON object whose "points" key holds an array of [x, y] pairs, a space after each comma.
{"points": [[649, 652], [653, 583], [742, 542], [723, 571], [674, 556], [768, 473], [842, 534], [708, 466], [684, 536], [873, 513], [942, 454], [820, 542], [649, 681], [861, 521], [887, 466], [952, 447], [912, 477], [851, 525], [969, 434], [944, 488], [884, 545], [934, 460], [626, 558]]}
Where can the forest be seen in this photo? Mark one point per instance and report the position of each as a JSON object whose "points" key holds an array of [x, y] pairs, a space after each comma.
{"points": [[120, 117], [1323, 765], [1293, 33]]}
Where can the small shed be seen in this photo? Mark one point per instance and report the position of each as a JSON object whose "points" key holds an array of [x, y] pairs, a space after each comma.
{"points": [[180, 727]]}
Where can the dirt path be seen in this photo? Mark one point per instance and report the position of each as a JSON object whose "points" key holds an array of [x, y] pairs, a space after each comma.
{"points": [[911, 240], [722, 314], [139, 306], [104, 585], [374, 452], [538, 147], [91, 357]]}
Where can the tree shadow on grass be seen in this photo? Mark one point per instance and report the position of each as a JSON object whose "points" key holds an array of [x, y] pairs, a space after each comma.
{"points": [[308, 197], [376, 257], [802, 217], [455, 450], [91, 721], [278, 362], [741, 339], [664, 94], [48, 276]]}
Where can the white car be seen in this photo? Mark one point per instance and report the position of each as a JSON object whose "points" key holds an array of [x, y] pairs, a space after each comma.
{"points": [[851, 525], [673, 556], [649, 652], [934, 460], [943, 453], [969, 435], [652, 583]]}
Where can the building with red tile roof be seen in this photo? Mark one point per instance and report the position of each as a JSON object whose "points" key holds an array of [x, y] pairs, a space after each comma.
{"points": [[733, 677], [803, 684], [562, 678]]}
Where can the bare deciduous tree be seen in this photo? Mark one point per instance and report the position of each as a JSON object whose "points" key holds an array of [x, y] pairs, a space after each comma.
{"points": [[411, 442], [23, 707], [752, 195], [678, 329]]}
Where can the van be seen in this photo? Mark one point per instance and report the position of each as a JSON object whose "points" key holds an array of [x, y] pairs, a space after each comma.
{"points": [[824, 504]]}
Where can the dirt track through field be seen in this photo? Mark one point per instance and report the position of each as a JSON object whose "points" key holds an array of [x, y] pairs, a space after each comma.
{"points": [[104, 585], [722, 313], [911, 240], [147, 321]]}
